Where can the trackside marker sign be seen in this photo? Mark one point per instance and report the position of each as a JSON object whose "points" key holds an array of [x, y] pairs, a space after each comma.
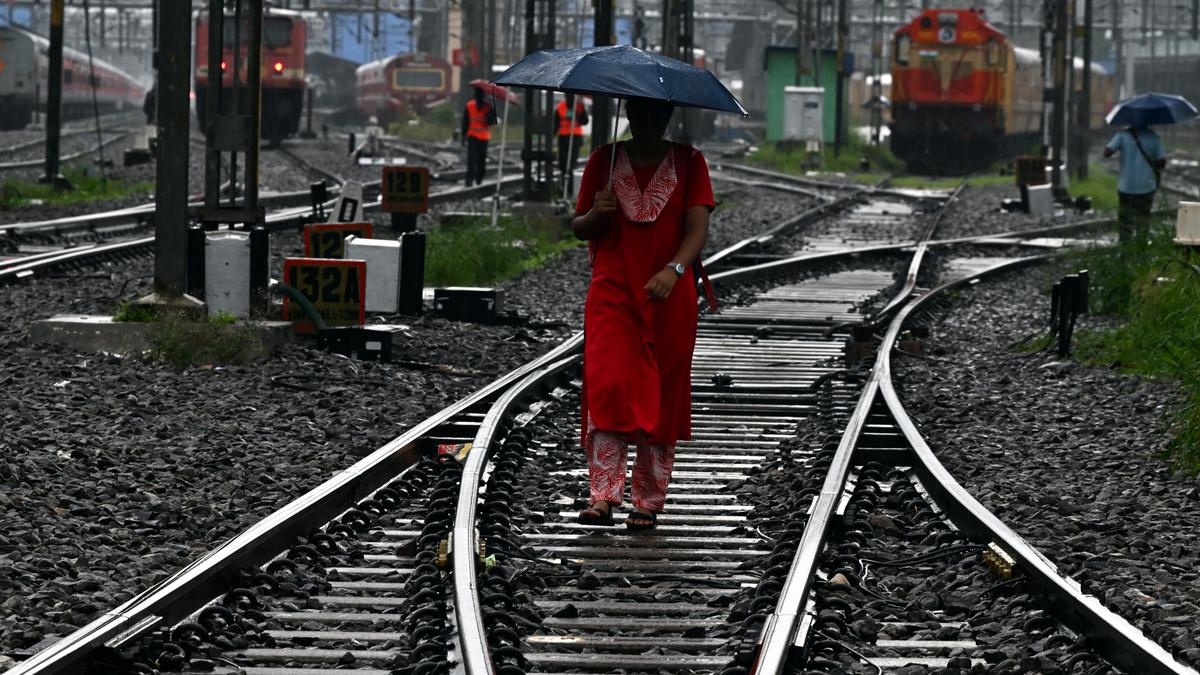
{"points": [[328, 240], [337, 288]]}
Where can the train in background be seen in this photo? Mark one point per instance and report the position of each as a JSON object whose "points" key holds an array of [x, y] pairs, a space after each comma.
{"points": [[396, 86], [24, 68], [283, 70], [964, 95]]}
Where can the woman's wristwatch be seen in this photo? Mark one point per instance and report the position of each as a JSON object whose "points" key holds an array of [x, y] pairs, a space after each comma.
{"points": [[677, 268]]}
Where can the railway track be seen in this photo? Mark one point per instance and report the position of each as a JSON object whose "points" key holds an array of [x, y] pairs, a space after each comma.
{"points": [[454, 547], [130, 221]]}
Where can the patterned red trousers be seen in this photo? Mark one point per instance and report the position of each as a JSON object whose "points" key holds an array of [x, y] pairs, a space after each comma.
{"points": [[607, 452]]}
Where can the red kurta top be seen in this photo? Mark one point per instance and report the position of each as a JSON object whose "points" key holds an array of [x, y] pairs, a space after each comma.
{"points": [[638, 351]]}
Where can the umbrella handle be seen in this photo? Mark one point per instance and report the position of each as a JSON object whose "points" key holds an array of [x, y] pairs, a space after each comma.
{"points": [[612, 156]]}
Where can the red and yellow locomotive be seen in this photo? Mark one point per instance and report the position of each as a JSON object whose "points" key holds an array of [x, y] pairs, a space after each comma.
{"points": [[282, 69], [400, 84], [963, 95]]}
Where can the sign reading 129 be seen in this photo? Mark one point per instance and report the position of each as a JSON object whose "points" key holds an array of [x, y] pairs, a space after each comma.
{"points": [[405, 189], [336, 288]]}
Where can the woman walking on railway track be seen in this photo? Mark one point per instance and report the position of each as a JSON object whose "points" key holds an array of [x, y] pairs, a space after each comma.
{"points": [[644, 231]]}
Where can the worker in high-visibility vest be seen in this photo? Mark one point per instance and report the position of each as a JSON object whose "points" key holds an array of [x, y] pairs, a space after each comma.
{"points": [[477, 118], [569, 119]]}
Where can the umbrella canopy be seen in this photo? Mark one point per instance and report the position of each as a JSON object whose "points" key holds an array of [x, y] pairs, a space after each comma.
{"points": [[621, 71], [495, 91], [1148, 109]]}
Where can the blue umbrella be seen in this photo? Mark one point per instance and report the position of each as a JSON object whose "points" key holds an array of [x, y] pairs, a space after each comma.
{"points": [[1150, 109], [621, 71]]}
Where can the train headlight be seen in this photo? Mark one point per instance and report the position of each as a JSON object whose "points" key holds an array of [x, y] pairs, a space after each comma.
{"points": [[223, 66], [278, 67]]}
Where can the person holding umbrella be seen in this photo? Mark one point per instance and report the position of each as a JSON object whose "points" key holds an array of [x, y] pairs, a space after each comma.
{"points": [[1142, 156], [478, 116], [1142, 163], [643, 207], [644, 231]]}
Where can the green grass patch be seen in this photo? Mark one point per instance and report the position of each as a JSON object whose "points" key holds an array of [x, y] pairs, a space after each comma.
{"points": [[184, 341], [474, 254], [87, 187], [1100, 185], [951, 182], [1155, 288], [795, 160], [129, 312]]}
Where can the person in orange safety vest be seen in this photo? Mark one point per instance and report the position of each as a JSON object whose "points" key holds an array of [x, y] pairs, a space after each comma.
{"points": [[570, 136], [478, 116]]}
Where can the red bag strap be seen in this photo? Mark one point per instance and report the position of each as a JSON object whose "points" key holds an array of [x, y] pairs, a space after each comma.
{"points": [[683, 165]]}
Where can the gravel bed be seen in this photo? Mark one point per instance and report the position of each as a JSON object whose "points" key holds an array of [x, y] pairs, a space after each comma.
{"points": [[978, 212], [115, 472], [1085, 484], [151, 466], [890, 595]]}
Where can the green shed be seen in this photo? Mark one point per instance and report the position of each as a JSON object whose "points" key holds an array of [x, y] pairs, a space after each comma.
{"points": [[781, 72]]}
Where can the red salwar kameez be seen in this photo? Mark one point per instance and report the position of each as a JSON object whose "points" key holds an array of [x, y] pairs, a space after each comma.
{"points": [[638, 350]]}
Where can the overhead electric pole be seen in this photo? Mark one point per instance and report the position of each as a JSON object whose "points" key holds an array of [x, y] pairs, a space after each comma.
{"points": [[1058, 97], [601, 110], [171, 178], [839, 90], [54, 92], [1083, 125]]}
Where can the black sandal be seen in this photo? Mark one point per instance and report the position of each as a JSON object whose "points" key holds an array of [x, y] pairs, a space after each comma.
{"points": [[594, 515], [639, 515]]}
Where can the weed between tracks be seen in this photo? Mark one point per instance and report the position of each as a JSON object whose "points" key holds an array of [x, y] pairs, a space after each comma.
{"points": [[474, 254], [795, 161], [1154, 288], [87, 188], [183, 342]]}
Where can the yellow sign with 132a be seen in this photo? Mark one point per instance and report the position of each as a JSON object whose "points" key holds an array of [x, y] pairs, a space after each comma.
{"points": [[405, 189], [328, 240], [336, 288]]}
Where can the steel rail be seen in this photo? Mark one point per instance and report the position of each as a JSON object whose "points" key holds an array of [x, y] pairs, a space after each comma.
{"points": [[914, 267], [779, 630], [337, 179], [95, 221], [32, 163], [66, 133], [20, 269], [1121, 643], [472, 634], [176, 597], [1110, 634], [828, 185]]}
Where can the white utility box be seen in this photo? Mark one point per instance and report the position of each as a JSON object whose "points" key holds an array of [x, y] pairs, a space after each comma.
{"points": [[227, 273], [383, 271], [1040, 200], [804, 114], [1187, 224]]}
